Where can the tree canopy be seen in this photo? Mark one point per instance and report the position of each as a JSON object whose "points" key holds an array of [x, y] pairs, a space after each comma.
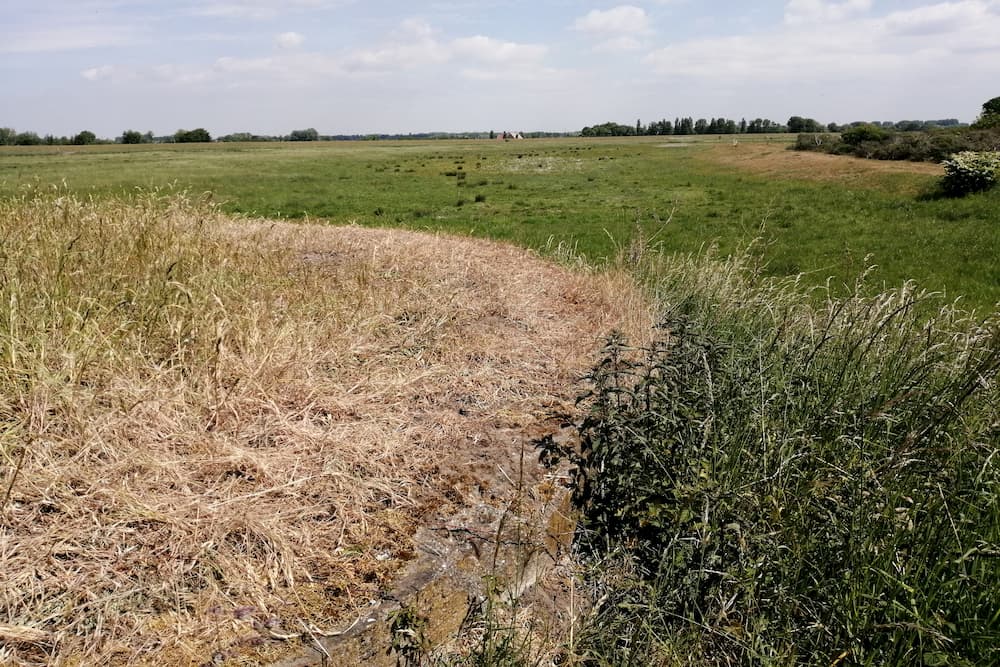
{"points": [[304, 135], [990, 116], [85, 138], [199, 135]]}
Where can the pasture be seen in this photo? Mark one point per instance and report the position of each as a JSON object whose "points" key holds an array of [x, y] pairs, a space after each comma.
{"points": [[224, 431], [826, 218]]}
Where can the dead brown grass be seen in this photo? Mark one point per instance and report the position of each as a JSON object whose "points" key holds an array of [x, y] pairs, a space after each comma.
{"points": [[239, 449], [777, 161]]}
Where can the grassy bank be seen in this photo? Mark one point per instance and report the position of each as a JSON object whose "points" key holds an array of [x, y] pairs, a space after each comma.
{"points": [[775, 483], [825, 217], [218, 437]]}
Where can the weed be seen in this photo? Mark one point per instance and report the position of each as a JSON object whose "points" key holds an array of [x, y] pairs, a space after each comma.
{"points": [[773, 483], [409, 641]]}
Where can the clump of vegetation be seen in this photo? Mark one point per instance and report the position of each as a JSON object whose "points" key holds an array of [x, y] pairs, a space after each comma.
{"points": [[871, 141], [876, 143], [776, 484], [990, 118], [969, 172]]}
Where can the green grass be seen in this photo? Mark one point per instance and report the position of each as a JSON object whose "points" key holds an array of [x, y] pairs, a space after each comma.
{"points": [[779, 484], [577, 192]]}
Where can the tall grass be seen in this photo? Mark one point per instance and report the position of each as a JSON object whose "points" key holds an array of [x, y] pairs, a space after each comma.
{"points": [[774, 483], [217, 436], [170, 472]]}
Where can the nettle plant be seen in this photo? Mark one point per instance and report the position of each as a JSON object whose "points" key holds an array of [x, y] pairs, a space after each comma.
{"points": [[971, 171]]}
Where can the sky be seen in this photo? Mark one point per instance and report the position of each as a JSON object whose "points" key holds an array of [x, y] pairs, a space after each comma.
{"points": [[362, 66]]}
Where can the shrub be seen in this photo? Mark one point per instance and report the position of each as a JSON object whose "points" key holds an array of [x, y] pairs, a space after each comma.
{"points": [[862, 133], [971, 171], [814, 141], [788, 485]]}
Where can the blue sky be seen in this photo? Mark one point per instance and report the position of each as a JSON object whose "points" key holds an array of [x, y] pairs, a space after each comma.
{"points": [[353, 66]]}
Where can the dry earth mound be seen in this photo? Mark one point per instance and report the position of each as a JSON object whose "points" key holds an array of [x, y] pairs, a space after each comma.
{"points": [[217, 433]]}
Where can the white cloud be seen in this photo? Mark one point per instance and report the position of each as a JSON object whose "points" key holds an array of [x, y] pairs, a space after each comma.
{"points": [[414, 45], [492, 50], [617, 29], [815, 11], [98, 73], [622, 20], [943, 18], [619, 44], [257, 9], [70, 38], [520, 73], [396, 56], [870, 48], [289, 40]]}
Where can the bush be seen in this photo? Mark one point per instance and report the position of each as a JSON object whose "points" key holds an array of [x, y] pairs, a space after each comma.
{"points": [[814, 141], [862, 133], [971, 171], [783, 485]]}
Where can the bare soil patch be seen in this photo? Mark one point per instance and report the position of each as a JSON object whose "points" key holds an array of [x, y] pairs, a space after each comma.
{"points": [[778, 161], [191, 520]]}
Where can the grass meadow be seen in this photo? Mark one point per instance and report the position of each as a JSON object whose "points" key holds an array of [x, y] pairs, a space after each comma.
{"points": [[823, 217], [221, 430]]}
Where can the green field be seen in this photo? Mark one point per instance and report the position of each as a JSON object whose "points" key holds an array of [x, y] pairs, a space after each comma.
{"points": [[588, 193]]}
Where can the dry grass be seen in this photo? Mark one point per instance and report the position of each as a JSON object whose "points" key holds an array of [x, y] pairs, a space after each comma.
{"points": [[215, 433], [775, 160]]}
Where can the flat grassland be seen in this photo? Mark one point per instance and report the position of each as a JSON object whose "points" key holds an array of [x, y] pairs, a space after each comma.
{"points": [[827, 218]]}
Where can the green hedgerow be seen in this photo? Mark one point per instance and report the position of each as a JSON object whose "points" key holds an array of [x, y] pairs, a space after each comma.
{"points": [[971, 171]]}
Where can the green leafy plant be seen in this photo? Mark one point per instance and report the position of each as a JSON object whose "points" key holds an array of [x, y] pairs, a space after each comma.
{"points": [[409, 639], [775, 484]]}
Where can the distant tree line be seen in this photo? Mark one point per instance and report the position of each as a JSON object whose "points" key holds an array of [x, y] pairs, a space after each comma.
{"points": [[795, 125], [679, 126], [909, 140], [11, 137]]}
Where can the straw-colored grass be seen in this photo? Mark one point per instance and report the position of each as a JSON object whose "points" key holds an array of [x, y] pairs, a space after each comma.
{"points": [[217, 432], [776, 161]]}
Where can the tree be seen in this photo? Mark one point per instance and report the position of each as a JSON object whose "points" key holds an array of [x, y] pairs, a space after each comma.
{"points": [[199, 135], [304, 135], [131, 137], [7, 136], [798, 124], [608, 129], [85, 138], [28, 139], [991, 115], [867, 132]]}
